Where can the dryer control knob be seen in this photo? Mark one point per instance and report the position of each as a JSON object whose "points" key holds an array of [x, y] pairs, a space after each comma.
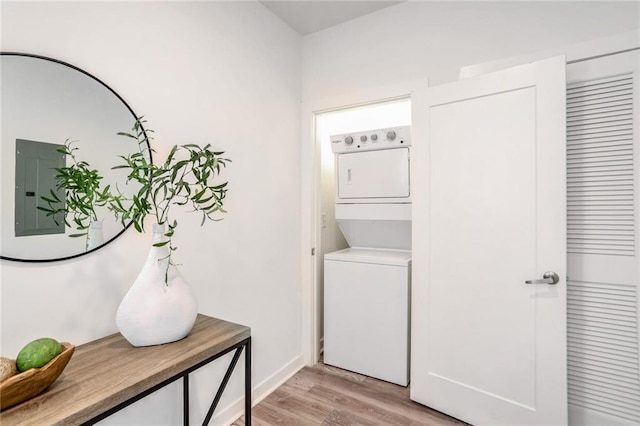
{"points": [[374, 137], [348, 140], [391, 135], [363, 138]]}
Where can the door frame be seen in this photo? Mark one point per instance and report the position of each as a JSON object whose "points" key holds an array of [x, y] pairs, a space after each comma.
{"points": [[310, 197]]}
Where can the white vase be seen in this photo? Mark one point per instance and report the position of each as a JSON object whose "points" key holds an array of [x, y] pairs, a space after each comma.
{"points": [[95, 236], [154, 312]]}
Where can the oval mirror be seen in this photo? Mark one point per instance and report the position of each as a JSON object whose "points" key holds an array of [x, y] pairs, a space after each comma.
{"points": [[44, 104]]}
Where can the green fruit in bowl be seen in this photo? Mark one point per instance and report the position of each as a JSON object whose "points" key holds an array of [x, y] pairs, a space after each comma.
{"points": [[38, 353]]}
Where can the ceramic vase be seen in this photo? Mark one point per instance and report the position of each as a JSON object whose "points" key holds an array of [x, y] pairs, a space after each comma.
{"points": [[95, 236], [155, 311]]}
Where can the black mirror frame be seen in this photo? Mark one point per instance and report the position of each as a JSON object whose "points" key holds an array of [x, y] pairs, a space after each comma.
{"points": [[135, 117]]}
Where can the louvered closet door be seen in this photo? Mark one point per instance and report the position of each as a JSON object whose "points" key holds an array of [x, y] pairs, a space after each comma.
{"points": [[602, 240]]}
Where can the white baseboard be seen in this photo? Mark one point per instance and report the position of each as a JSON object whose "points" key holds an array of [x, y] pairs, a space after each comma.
{"points": [[259, 392]]}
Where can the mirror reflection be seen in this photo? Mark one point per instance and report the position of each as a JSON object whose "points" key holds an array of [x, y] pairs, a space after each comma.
{"points": [[44, 104]]}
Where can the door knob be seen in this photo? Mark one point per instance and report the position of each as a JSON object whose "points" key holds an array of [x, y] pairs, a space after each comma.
{"points": [[548, 278]]}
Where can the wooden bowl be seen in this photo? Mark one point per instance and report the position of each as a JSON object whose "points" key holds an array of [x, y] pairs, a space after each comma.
{"points": [[32, 382]]}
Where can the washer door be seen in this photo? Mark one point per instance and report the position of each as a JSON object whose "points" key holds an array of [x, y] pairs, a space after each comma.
{"points": [[366, 319]]}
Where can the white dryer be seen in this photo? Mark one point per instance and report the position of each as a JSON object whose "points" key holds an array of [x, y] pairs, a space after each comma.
{"points": [[367, 286], [373, 187]]}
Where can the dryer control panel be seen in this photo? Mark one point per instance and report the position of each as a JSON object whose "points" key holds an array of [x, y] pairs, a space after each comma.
{"points": [[372, 140]]}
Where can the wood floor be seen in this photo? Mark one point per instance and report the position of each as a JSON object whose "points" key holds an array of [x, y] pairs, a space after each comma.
{"points": [[325, 395]]}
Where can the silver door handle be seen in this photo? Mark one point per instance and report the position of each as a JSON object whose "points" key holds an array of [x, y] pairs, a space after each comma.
{"points": [[548, 278]]}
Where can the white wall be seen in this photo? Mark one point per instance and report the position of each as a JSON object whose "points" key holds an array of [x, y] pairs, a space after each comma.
{"points": [[219, 72], [229, 73], [414, 40]]}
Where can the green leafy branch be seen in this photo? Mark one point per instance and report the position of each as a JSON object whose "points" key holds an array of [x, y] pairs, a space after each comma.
{"points": [[82, 193], [185, 178]]}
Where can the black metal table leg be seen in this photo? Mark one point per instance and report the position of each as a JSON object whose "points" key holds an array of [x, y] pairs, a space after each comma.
{"points": [[185, 399], [247, 383], [223, 385]]}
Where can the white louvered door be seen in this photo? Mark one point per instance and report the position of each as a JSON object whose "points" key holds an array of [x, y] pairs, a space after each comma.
{"points": [[602, 240]]}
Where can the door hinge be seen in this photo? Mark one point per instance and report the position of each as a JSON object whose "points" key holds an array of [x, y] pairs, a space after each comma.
{"points": [[313, 251]]}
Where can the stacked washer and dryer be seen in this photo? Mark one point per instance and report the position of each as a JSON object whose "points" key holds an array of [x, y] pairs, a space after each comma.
{"points": [[367, 286]]}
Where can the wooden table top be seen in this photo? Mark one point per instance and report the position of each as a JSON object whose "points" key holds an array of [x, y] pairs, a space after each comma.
{"points": [[109, 371]]}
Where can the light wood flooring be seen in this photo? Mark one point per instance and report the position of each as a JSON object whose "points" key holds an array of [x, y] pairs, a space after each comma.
{"points": [[325, 395]]}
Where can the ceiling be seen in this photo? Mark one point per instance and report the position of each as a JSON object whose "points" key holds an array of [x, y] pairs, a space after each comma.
{"points": [[310, 16]]}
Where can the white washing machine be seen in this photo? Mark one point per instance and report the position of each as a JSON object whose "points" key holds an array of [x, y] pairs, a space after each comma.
{"points": [[367, 286], [367, 312]]}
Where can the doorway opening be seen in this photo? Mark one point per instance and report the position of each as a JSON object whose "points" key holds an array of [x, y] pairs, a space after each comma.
{"points": [[383, 114]]}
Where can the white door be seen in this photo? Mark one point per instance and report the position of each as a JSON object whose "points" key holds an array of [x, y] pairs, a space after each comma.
{"points": [[489, 214]]}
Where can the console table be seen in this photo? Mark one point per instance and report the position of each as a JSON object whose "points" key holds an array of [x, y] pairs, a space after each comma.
{"points": [[108, 374]]}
